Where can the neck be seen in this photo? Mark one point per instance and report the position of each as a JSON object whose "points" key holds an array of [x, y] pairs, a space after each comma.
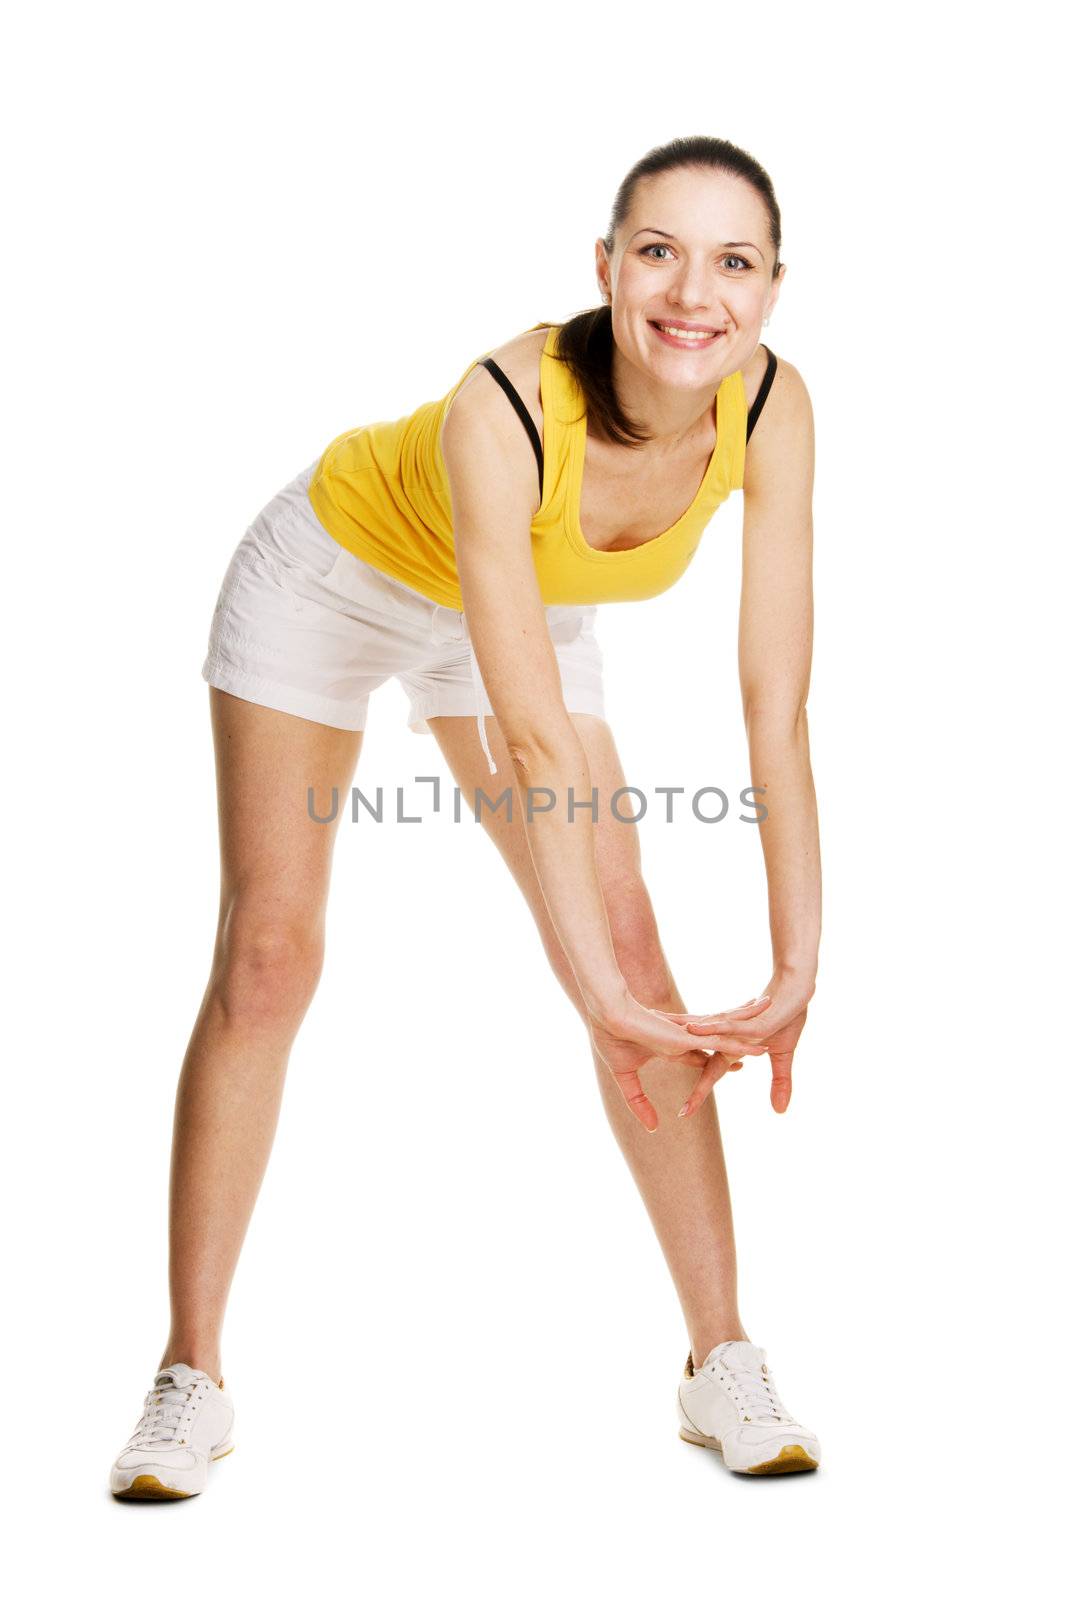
{"points": [[671, 415]]}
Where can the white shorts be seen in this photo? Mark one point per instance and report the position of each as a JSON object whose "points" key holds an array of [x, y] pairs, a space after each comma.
{"points": [[302, 625]]}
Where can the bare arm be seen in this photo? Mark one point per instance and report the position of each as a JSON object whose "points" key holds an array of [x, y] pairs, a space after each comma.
{"points": [[494, 493], [774, 663], [493, 481]]}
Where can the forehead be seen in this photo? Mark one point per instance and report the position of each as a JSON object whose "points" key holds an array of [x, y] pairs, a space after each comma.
{"points": [[688, 200]]}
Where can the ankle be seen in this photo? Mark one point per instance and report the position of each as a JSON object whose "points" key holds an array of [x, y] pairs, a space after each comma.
{"points": [[702, 1348], [193, 1356]]}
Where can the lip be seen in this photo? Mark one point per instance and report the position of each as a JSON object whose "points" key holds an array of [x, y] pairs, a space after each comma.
{"points": [[678, 344], [689, 327]]}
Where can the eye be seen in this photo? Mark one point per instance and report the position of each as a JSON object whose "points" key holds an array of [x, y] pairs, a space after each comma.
{"points": [[743, 265]]}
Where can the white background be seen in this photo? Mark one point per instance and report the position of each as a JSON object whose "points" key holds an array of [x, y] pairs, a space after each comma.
{"points": [[236, 231]]}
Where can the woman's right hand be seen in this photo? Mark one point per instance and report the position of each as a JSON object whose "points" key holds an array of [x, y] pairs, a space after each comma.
{"points": [[628, 1035]]}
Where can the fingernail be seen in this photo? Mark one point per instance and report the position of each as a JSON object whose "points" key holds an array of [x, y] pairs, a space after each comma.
{"points": [[685, 1110]]}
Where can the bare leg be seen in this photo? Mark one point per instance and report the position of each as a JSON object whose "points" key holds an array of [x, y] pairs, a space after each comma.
{"points": [[681, 1171], [275, 867]]}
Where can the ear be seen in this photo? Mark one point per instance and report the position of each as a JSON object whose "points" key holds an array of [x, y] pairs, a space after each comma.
{"points": [[603, 271], [776, 291]]}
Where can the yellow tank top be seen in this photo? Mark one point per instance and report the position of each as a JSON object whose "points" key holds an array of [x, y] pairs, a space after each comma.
{"points": [[382, 491]]}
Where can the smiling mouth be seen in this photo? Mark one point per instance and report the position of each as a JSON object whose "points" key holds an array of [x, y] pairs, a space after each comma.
{"points": [[690, 338]]}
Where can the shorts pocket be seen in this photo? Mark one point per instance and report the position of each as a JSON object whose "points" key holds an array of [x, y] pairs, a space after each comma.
{"points": [[294, 537]]}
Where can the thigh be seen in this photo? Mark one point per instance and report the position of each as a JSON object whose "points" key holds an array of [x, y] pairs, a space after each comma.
{"points": [[272, 771], [617, 848]]}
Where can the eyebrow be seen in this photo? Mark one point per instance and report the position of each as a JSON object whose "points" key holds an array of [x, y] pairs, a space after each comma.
{"points": [[728, 244]]}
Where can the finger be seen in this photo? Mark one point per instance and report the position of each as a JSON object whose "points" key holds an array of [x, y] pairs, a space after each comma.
{"points": [[732, 1045], [697, 1059], [750, 1008], [781, 1079], [673, 1026], [675, 1041], [723, 1044], [731, 1039], [637, 1100], [757, 1027], [717, 1067], [630, 1088]]}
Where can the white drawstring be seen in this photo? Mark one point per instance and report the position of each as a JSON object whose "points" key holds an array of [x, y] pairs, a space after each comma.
{"points": [[447, 623], [481, 701]]}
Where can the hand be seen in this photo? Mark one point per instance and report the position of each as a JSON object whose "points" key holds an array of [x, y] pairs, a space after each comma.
{"points": [[631, 1035], [776, 1032]]}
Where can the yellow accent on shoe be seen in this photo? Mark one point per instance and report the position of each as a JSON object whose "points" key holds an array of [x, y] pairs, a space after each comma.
{"points": [[791, 1458], [146, 1486]]}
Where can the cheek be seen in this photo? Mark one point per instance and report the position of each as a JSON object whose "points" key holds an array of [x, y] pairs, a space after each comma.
{"points": [[753, 294], [745, 304], [632, 283]]}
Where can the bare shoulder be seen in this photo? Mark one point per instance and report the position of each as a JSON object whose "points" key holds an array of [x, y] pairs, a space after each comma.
{"points": [[520, 360], [483, 440], [783, 439]]}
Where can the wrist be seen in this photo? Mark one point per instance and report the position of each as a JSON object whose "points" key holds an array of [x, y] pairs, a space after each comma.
{"points": [[797, 973], [605, 1001]]}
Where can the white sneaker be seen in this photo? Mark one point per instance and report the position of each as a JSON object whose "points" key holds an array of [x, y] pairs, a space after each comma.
{"points": [[732, 1405], [186, 1424]]}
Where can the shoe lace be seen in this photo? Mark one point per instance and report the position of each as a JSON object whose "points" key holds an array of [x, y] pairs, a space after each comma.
{"points": [[755, 1393], [164, 1409]]}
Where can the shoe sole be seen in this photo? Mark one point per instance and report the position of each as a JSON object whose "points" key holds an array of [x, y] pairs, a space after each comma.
{"points": [[146, 1486], [790, 1458]]}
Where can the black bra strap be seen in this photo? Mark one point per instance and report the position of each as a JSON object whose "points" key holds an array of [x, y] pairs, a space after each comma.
{"points": [[764, 390], [527, 421]]}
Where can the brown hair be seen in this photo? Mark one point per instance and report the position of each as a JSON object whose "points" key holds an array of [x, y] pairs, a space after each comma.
{"points": [[585, 342]]}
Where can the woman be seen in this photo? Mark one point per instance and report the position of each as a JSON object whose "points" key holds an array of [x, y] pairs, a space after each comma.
{"points": [[575, 465]]}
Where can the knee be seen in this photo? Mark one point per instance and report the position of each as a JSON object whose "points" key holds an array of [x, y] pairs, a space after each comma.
{"points": [[268, 965]]}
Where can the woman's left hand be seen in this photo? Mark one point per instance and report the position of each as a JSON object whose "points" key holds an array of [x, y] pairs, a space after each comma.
{"points": [[774, 1032]]}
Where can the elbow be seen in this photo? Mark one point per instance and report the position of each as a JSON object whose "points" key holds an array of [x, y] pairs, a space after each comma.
{"points": [[522, 753], [539, 752], [779, 718]]}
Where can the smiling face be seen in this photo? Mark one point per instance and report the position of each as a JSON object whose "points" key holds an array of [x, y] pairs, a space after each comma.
{"points": [[694, 254]]}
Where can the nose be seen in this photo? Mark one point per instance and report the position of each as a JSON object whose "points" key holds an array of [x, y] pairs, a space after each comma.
{"points": [[691, 291]]}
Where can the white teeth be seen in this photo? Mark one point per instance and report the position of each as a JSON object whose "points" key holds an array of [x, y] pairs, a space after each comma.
{"points": [[691, 335]]}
